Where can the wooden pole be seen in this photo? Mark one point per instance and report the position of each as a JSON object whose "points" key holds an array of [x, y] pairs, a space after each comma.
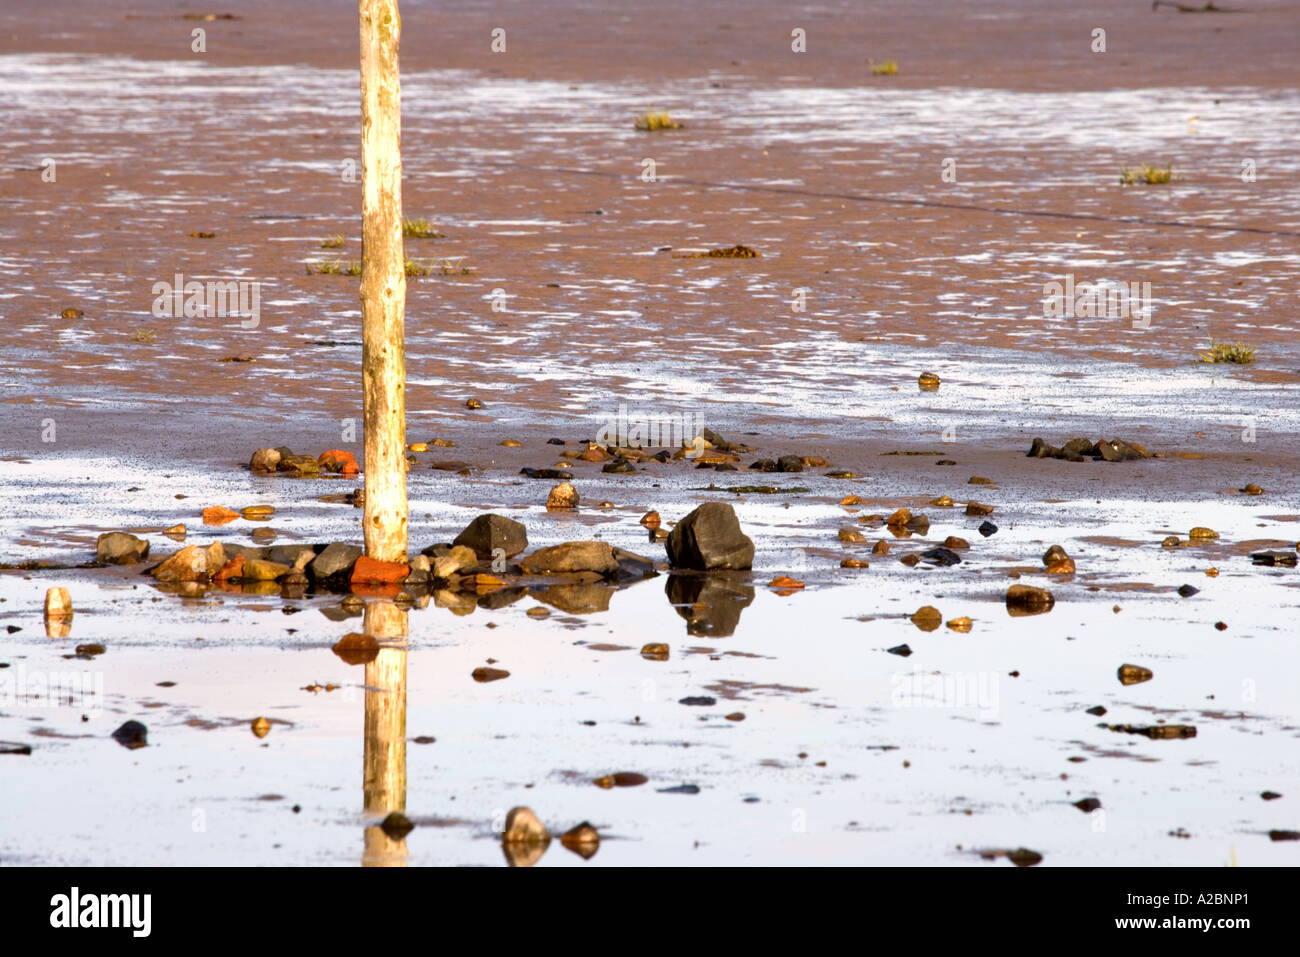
{"points": [[383, 776], [383, 283]]}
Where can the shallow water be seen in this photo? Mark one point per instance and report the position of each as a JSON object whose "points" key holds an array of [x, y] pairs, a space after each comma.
{"points": [[536, 184]]}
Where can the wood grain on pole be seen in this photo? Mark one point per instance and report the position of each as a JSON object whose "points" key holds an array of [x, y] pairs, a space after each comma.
{"points": [[383, 283]]}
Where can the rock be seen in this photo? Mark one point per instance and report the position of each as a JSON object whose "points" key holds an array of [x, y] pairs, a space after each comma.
{"points": [[255, 513], [962, 625], [260, 570], [1023, 857], [903, 651], [911, 561], [978, 509], [1063, 567], [789, 463], [1170, 541], [1028, 600], [334, 562], [1253, 489], [943, 501], [655, 651], [1156, 732], [763, 465], [1281, 559], [785, 585], [710, 538], [650, 519], [880, 548], [264, 534], [563, 496], [928, 381], [583, 840], [1134, 674], [418, 447], [1054, 554], [473, 404], [523, 827], [176, 532], [851, 536], [120, 548], [483, 674], [132, 735], [420, 569], [919, 524], [458, 557], [58, 604], [367, 570], [191, 564], [618, 466], [232, 569], [298, 466], [927, 618], [261, 727], [219, 515], [264, 460], [854, 563], [943, 557], [289, 555], [987, 528], [1187, 591], [396, 826], [698, 701], [1039, 449], [899, 519], [952, 541], [1201, 533], [489, 532], [356, 648], [572, 557], [1098, 710], [621, 779]]}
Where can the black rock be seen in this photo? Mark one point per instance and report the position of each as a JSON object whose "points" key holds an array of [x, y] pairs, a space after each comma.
{"points": [[1088, 805], [710, 538], [724, 467], [1079, 448], [555, 441], [681, 789], [619, 465], [1287, 559], [987, 528], [132, 735], [1269, 795], [941, 556], [699, 701], [789, 463], [489, 532], [663, 455], [1039, 449], [287, 554], [1187, 591], [13, 747], [543, 473], [764, 465], [901, 650], [397, 825], [1097, 710]]}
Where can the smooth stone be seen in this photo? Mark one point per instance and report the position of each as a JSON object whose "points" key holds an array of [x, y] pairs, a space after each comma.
{"points": [[489, 532], [572, 557]]}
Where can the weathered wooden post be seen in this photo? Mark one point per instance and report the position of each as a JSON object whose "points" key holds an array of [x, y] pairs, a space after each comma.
{"points": [[383, 283]]}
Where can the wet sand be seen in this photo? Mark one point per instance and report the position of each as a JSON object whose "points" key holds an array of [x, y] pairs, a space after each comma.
{"points": [[528, 163]]}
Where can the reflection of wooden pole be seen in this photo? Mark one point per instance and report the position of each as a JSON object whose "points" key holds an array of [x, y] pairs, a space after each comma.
{"points": [[384, 771], [383, 283]]}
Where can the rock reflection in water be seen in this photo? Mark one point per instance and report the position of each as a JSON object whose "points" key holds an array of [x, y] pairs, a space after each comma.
{"points": [[384, 763], [711, 602]]}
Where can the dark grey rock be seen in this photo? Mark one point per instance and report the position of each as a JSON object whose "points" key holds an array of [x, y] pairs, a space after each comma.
{"points": [[709, 538], [335, 561], [489, 532]]}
